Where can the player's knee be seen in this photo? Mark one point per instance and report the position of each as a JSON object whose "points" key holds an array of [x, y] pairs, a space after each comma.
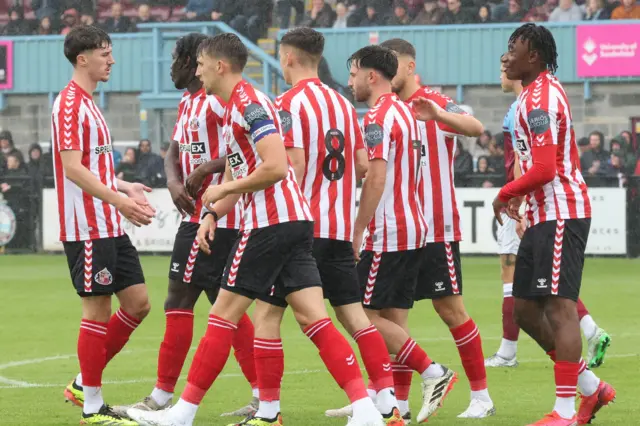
{"points": [[180, 296], [451, 310], [352, 317], [561, 311]]}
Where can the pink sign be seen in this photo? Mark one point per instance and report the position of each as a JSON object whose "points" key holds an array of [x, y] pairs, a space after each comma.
{"points": [[608, 50]]}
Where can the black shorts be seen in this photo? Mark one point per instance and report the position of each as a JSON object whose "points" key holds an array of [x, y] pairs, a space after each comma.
{"points": [[191, 265], [337, 266], [550, 259], [388, 279], [441, 271], [104, 266], [272, 262]]}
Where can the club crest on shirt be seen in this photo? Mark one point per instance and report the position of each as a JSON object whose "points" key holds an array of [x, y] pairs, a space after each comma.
{"points": [[104, 277], [194, 124]]}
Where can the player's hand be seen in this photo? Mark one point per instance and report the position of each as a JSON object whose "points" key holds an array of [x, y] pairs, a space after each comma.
{"points": [[521, 226], [194, 182], [357, 244], [134, 212], [182, 200], [498, 207], [425, 109], [213, 194], [513, 208], [205, 233], [136, 193]]}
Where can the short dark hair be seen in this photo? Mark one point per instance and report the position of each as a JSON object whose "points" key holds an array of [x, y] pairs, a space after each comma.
{"points": [[377, 58], [541, 40], [187, 47], [227, 46], [400, 46], [599, 134], [306, 40], [83, 38]]}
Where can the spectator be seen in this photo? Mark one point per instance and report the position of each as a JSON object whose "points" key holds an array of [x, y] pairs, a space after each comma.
{"points": [[87, 19], [199, 9], [629, 9], [483, 169], [283, 9], [456, 15], [149, 166], [539, 12], [431, 14], [583, 146], [55, 8], [15, 169], [35, 167], [614, 167], [225, 10], [593, 162], [253, 21], [619, 146], [515, 12], [400, 14], [484, 14], [44, 27], [596, 11], [16, 192], [374, 16], [126, 170], [567, 11], [342, 16], [16, 25], [144, 15], [6, 148], [481, 147], [413, 6], [117, 23], [70, 19], [496, 159], [320, 16], [462, 161]]}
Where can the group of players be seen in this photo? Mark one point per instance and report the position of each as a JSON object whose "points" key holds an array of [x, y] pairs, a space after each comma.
{"points": [[268, 195]]}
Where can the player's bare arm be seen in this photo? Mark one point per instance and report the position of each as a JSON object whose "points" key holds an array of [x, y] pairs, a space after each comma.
{"points": [[182, 200], [197, 177], [298, 162], [467, 125], [81, 176], [362, 163], [372, 190]]}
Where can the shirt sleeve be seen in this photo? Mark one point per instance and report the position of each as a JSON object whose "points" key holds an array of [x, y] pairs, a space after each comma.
{"points": [[446, 103], [69, 127], [259, 123], [291, 129], [543, 127], [378, 139], [177, 128], [359, 138]]}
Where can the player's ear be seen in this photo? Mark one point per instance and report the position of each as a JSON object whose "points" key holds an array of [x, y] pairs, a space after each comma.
{"points": [[412, 67], [82, 59]]}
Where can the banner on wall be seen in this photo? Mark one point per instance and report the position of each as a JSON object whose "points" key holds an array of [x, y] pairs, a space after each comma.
{"points": [[6, 64], [608, 50], [479, 227]]}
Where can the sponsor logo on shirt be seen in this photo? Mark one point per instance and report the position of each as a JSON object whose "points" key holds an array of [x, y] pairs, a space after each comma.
{"points": [[103, 149]]}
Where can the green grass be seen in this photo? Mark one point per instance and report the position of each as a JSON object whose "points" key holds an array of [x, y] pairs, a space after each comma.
{"points": [[40, 315]]}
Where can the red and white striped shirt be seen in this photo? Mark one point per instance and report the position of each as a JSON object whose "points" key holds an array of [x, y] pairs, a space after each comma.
{"points": [[78, 125], [543, 117], [435, 189], [198, 131], [250, 116], [326, 127], [391, 134]]}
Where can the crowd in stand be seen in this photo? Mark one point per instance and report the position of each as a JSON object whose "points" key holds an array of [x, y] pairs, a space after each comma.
{"points": [[253, 17]]}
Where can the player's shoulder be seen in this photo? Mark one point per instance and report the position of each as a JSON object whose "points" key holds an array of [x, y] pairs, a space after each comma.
{"points": [[68, 101], [379, 112], [185, 97], [216, 105]]}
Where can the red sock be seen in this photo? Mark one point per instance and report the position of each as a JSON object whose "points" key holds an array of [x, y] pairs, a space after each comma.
{"points": [[402, 376], [413, 356], [510, 329], [339, 358], [467, 338], [120, 327], [243, 350], [178, 335], [552, 355], [375, 357], [566, 379], [582, 310], [210, 358], [92, 352], [269, 364]]}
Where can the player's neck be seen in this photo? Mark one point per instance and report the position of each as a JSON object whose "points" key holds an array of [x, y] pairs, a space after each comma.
{"points": [[377, 92], [194, 86], [532, 77], [409, 89], [85, 82], [228, 86], [302, 74]]}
